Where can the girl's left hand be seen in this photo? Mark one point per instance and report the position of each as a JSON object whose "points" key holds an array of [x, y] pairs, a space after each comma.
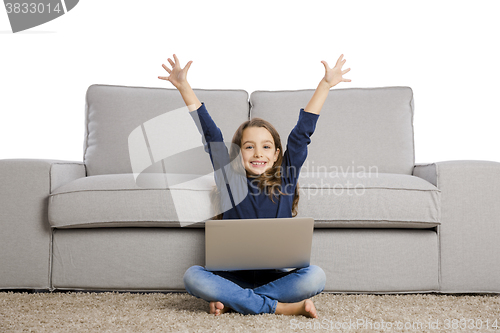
{"points": [[333, 76]]}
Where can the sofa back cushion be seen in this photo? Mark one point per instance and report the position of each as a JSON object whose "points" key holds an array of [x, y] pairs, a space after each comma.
{"points": [[359, 129], [113, 113]]}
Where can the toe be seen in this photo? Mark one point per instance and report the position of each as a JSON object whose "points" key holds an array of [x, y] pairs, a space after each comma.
{"points": [[212, 308], [219, 305], [310, 308]]}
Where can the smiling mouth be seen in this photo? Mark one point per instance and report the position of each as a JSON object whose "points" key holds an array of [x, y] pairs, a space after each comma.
{"points": [[258, 164]]}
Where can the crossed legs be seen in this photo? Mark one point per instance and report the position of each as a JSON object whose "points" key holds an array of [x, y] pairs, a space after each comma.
{"points": [[253, 292]]}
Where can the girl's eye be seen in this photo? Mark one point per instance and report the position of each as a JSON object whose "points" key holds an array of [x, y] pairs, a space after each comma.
{"points": [[248, 147], [267, 147]]}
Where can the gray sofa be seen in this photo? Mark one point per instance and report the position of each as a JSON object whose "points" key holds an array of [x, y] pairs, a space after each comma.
{"points": [[382, 223]]}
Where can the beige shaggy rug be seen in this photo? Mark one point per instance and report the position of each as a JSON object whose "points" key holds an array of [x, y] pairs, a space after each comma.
{"points": [[180, 312]]}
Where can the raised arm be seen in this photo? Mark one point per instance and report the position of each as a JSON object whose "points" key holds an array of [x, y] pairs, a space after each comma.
{"points": [[333, 76], [178, 77]]}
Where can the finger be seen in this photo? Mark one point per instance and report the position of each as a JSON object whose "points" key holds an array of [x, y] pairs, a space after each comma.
{"points": [[176, 60], [188, 65], [341, 64], [326, 65], [171, 62], [338, 61], [167, 69], [163, 77], [345, 71], [346, 80]]}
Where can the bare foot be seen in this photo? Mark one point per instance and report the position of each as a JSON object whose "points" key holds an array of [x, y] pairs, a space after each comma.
{"points": [[218, 308], [305, 308]]}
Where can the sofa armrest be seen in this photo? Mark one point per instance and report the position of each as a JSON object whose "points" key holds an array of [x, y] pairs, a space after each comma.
{"points": [[470, 223], [25, 238]]}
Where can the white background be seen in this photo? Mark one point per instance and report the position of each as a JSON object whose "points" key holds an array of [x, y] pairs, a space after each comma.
{"points": [[446, 51]]}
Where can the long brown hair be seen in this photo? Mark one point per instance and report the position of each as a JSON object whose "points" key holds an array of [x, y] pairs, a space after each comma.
{"points": [[270, 180]]}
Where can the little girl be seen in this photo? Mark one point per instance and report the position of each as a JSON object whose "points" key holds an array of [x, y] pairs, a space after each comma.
{"points": [[270, 191]]}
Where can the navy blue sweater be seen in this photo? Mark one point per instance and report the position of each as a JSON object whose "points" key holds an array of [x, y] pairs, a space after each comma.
{"points": [[241, 197]]}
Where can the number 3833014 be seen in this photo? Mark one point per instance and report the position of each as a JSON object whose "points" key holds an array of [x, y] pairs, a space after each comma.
{"points": [[32, 8]]}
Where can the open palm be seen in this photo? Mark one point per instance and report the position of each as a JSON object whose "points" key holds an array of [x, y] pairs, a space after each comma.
{"points": [[178, 75], [333, 76]]}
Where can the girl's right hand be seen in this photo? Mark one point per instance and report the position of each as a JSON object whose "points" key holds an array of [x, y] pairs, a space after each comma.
{"points": [[178, 75]]}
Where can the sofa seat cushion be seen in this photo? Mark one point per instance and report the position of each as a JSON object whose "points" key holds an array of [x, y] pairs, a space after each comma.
{"points": [[334, 201], [368, 200], [115, 200]]}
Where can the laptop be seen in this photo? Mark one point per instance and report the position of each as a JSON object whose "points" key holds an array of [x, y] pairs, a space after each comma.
{"points": [[252, 244]]}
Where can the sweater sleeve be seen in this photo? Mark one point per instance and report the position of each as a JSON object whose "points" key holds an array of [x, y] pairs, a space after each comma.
{"points": [[296, 148], [229, 177], [211, 136]]}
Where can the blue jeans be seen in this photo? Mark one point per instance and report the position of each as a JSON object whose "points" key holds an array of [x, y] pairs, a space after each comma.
{"points": [[253, 292]]}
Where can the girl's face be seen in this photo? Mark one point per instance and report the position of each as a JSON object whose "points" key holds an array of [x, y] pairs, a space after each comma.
{"points": [[258, 150]]}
